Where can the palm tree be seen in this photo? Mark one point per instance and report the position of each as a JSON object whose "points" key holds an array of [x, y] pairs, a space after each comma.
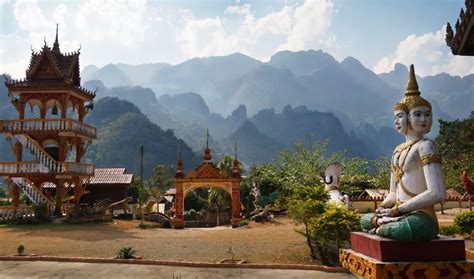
{"points": [[218, 199]]}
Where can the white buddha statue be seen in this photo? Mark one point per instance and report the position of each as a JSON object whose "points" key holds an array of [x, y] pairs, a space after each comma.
{"points": [[416, 181], [332, 181]]}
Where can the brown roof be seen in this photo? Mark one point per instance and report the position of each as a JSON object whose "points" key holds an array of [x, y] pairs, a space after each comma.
{"points": [[452, 194], [103, 176], [110, 176]]}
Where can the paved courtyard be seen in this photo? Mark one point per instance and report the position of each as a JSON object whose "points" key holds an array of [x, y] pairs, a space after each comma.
{"points": [[40, 269]]}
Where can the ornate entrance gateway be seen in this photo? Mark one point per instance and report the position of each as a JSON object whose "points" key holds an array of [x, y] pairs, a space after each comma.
{"points": [[207, 175]]}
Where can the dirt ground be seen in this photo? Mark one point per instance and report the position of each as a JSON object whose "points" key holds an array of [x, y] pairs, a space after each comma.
{"points": [[275, 242]]}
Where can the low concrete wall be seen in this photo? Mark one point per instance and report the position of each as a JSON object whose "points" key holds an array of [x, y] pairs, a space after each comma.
{"points": [[369, 206]]}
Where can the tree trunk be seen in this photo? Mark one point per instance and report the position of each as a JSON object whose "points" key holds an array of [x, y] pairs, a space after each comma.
{"points": [[308, 241]]}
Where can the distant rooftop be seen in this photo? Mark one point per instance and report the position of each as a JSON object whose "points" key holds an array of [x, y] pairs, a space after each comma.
{"points": [[110, 176], [103, 176]]}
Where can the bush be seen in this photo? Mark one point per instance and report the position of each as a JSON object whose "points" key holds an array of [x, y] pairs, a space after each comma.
{"points": [[326, 226], [244, 222], [150, 225], [20, 249], [465, 221], [2, 192], [41, 212], [190, 215], [450, 230], [126, 253], [331, 231]]}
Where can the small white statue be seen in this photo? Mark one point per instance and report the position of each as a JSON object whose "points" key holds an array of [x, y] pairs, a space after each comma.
{"points": [[333, 186]]}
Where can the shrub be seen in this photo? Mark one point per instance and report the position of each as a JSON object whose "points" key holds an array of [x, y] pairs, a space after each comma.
{"points": [[190, 215], [126, 253], [465, 221], [20, 249], [41, 212], [450, 230], [244, 222]]}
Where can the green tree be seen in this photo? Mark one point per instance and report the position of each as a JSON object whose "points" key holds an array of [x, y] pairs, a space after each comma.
{"points": [[218, 199], [305, 202], [160, 181], [298, 175], [332, 229], [456, 142]]}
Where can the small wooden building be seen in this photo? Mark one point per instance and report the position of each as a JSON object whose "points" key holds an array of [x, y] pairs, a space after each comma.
{"points": [[107, 183]]}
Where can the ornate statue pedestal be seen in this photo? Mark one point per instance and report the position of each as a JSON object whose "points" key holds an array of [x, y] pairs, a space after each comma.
{"points": [[372, 256]]}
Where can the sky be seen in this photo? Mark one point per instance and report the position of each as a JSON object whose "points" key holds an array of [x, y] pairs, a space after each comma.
{"points": [[377, 33]]}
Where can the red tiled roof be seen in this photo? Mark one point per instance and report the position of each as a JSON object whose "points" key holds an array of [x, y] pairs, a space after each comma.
{"points": [[111, 176], [452, 194]]}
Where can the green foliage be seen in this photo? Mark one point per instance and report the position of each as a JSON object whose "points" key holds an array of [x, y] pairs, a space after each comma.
{"points": [[305, 202], [450, 230], [196, 199], [126, 253], [41, 212], [324, 225], [218, 199], [161, 180], [20, 249], [456, 141], [333, 226], [149, 225], [124, 129], [465, 221], [190, 215], [3, 194], [244, 222], [24, 199]]}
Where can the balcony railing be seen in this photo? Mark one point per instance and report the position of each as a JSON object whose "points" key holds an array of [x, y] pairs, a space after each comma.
{"points": [[47, 125], [25, 168]]}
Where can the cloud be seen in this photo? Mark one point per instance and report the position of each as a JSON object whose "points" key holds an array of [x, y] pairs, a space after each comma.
{"points": [[239, 10], [205, 37], [142, 31], [293, 27], [311, 23], [430, 55], [120, 21]]}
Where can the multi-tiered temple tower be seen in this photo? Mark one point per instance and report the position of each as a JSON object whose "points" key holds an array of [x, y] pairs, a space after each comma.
{"points": [[51, 107]]}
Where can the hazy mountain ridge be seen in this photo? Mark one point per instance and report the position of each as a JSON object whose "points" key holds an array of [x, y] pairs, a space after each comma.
{"points": [[122, 129], [311, 78]]}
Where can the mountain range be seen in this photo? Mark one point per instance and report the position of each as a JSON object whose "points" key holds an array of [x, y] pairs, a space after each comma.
{"points": [[312, 78], [264, 107]]}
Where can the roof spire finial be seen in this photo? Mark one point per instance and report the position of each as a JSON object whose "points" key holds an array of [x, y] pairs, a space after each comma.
{"points": [[235, 151], [56, 42], [412, 85], [207, 152], [179, 163]]}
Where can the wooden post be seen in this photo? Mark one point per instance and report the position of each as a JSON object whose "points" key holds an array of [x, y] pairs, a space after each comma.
{"points": [[235, 204], [16, 194], [140, 196], [60, 191], [178, 219], [77, 190]]}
